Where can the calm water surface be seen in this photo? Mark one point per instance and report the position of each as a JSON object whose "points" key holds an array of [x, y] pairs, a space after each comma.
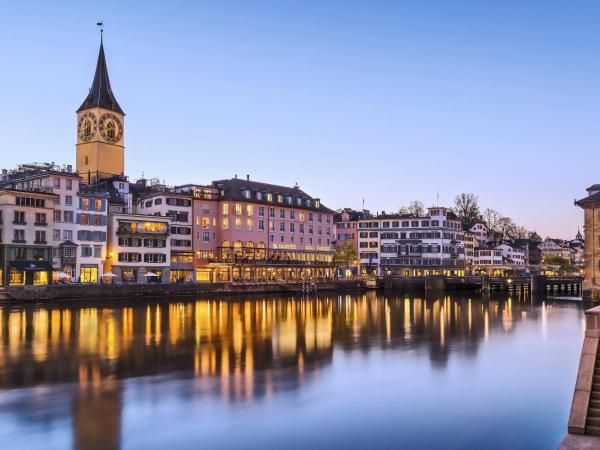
{"points": [[347, 371]]}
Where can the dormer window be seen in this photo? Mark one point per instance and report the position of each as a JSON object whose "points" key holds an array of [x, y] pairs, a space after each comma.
{"points": [[269, 197], [308, 202], [246, 193], [259, 196], [280, 198], [317, 204]]}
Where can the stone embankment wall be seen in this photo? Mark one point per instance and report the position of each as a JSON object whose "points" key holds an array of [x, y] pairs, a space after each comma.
{"points": [[111, 291]]}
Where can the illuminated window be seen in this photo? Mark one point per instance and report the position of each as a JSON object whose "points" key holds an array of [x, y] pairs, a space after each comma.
{"points": [[249, 224], [280, 198], [225, 223], [238, 209], [205, 222], [301, 216], [225, 208], [269, 197], [249, 210], [238, 223]]}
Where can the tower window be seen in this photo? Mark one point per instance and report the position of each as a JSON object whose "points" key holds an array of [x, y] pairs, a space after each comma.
{"points": [[86, 160]]}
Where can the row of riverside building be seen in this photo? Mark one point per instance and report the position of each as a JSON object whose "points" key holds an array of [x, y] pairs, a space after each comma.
{"points": [[436, 244], [92, 224]]}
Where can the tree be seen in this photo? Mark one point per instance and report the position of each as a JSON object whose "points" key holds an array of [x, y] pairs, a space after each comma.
{"points": [[466, 207], [345, 254], [491, 217], [533, 236], [555, 260], [414, 208]]}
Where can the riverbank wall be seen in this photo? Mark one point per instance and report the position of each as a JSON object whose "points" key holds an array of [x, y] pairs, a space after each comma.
{"points": [[121, 290]]}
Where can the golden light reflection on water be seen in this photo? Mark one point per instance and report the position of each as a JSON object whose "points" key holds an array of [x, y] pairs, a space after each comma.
{"points": [[233, 340]]}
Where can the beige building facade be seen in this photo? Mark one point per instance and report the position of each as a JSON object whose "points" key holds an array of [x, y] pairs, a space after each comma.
{"points": [[591, 228]]}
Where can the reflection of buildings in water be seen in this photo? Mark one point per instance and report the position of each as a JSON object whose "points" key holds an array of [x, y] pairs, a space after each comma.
{"points": [[230, 338], [96, 409], [239, 350]]}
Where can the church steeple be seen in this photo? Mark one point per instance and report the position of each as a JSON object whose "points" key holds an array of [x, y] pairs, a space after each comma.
{"points": [[101, 94]]}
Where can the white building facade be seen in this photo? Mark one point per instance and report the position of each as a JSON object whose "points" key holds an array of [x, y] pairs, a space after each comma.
{"points": [[412, 246]]}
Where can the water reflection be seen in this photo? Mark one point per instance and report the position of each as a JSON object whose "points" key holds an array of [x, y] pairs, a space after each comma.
{"points": [[248, 349]]}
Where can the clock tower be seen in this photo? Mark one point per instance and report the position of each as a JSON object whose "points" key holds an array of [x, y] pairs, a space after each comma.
{"points": [[100, 122]]}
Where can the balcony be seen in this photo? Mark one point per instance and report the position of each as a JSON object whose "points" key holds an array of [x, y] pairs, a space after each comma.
{"points": [[19, 222], [40, 242], [123, 230], [41, 224], [19, 241]]}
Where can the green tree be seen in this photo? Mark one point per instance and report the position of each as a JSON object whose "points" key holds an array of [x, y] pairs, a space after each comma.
{"points": [[555, 260], [345, 254], [466, 207]]}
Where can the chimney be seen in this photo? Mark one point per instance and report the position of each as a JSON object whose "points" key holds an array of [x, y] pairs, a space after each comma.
{"points": [[236, 176], [248, 177], [69, 168]]}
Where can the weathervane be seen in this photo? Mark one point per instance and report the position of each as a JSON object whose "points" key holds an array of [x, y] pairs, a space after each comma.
{"points": [[101, 25]]}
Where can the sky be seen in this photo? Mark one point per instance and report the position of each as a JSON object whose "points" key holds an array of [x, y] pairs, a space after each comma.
{"points": [[386, 101]]}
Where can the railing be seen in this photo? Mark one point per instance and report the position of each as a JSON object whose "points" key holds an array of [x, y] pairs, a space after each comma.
{"points": [[19, 222], [19, 241], [270, 262], [40, 242], [41, 224]]}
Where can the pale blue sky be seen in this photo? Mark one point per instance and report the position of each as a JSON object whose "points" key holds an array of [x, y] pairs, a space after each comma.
{"points": [[390, 101]]}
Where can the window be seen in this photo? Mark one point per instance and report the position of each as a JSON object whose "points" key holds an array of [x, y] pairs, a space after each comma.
{"points": [[269, 197], [271, 212], [68, 216], [155, 257], [19, 217], [225, 223], [69, 183], [225, 208], [238, 223], [40, 219], [18, 235], [40, 237], [246, 193], [57, 183], [282, 213], [205, 236], [67, 235], [301, 227], [249, 210], [56, 235], [56, 200], [261, 211], [97, 251], [279, 198], [68, 200], [205, 222], [261, 225], [292, 215], [238, 209], [292, 227], [249, 224], [282, 226], [86, 251]]}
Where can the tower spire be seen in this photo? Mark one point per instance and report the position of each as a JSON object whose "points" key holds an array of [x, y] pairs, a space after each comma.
{"points": [[101, 94]]}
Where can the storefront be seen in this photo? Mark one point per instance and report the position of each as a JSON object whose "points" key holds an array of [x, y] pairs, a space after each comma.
{"points": [[88, 274], [27, 273]]}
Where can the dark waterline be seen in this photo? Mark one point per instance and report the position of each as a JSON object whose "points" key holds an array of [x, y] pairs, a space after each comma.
{"points": [[340, 371]]}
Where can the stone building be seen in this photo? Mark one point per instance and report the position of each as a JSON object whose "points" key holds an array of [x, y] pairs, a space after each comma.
{"points": [[591, 230]]}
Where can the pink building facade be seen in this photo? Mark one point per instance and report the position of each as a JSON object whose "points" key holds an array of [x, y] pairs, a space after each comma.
{"points": [[250, 231]]}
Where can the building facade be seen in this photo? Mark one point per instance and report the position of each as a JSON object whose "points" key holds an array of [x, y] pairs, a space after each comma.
{"points": [[25, 252], [403, 245], [138, 245], [591, 231], [177, 206]]}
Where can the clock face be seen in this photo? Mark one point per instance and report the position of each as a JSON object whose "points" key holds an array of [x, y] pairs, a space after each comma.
{"points": [[111, 128], [87, 126]]}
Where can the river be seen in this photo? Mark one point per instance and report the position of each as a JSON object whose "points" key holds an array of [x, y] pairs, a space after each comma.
{"points": [[370, 370]]}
